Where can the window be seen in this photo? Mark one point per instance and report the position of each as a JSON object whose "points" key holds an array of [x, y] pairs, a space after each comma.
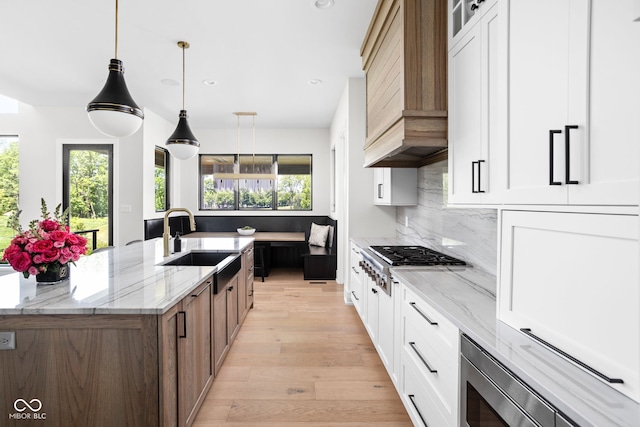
{"points": [[8, 186], [161, 177], [255, 182]]}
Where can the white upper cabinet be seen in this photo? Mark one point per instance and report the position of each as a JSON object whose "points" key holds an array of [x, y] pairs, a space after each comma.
{"points": [[542, 102], [477, 105], [395, 186], [571, 95]]}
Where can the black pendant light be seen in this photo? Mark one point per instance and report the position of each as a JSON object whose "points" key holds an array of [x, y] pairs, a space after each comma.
{"points": [[182, 144], [114, 112]]}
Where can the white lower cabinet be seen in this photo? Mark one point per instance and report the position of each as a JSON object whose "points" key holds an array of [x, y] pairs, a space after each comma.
{"points": [[356, 276], [571, 279], [429, 367]]}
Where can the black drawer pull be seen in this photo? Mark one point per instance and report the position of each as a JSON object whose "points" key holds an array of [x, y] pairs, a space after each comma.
{"points": [[415, 307], [527, 331], [355, 270], [374, 291], [567, 154], [230, 288], [354, 295], [551, 157], [204, 288], [415, 349], [413, 402], [184, 324]]}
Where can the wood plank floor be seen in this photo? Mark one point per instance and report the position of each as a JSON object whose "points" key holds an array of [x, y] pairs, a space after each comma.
{"points": [[302, 357]]}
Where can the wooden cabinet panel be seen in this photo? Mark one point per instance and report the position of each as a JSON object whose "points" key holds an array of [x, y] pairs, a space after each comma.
{"points": [[76, 365], [220, 329], [168, 338], [195, 365], [404, 58]]}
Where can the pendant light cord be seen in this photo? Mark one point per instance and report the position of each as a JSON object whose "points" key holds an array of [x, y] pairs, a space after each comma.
{"points": [[116, 54], [183, 68]]}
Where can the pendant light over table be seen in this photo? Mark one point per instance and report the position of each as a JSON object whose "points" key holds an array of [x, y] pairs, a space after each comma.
{"points": [[113, 111], [182, 144]]}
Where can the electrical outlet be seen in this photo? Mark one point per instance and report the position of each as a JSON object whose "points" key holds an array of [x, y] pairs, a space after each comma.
{"points": [[7, 340], [406, 221]]}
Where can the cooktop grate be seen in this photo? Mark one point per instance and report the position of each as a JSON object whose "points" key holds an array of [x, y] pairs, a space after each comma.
{"points": [[414, 255]]}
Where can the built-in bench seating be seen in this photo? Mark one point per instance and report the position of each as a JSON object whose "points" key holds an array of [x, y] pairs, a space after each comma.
{"points": [[319, 263]]}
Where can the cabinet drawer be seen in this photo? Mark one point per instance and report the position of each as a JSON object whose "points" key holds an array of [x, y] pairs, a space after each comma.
{"points": [[437, 330], [572, 279], [419, 399]]}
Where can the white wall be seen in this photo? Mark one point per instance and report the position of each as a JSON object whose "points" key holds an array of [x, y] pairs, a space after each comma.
{"points": [[42, 131], [267, 141], [356, 214]]}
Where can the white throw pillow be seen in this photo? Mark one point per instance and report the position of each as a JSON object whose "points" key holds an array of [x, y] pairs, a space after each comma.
{"points": [[318, 234]]}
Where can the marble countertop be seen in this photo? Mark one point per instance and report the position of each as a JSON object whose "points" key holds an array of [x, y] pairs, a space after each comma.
{"points": [[466, 296], [123, 280]]}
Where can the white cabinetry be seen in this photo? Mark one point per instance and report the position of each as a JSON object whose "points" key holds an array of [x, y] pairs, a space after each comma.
{"points": [[572, 91], [477, 106], [572, 279], [429, 368], [463, 15], [396, 186], [380, 322], [356, 279]]}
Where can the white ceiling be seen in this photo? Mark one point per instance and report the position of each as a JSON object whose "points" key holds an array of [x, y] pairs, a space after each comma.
{"points": [[261, 53]]}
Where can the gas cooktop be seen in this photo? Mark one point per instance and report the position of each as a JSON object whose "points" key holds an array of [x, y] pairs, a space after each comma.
{"points": [[414, 255]]}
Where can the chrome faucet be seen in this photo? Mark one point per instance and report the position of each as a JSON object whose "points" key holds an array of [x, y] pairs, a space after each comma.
{"points": [[167, 233]]}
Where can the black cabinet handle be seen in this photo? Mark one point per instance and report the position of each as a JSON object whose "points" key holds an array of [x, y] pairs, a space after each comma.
{"points": [[479, 175], [184, 324], [204, 288], [411, 398], [354, 295], [474, 6], [230, 288], [473, 176], [567, 155], [527, 331], [551, 156], [431, 322], [416, 351], [355, 270], [374, 291]]}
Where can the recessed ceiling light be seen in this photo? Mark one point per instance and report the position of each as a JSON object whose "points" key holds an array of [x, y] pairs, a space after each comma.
{"points": [[170, 82], [209, 82], [315, 82], [323, 4]]}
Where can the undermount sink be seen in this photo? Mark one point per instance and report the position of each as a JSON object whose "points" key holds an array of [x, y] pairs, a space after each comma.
{"points": [[227, 264]]}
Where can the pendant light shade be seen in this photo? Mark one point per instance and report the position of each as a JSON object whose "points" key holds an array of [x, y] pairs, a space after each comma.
{"points": [[182, 144], [114, 112]]}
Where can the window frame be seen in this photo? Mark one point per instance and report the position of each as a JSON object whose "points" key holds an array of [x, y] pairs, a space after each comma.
{"points": [[167, 178], [236, 185]]}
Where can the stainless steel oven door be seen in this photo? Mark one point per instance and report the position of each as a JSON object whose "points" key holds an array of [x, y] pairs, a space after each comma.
{"points": [[488, 394]]}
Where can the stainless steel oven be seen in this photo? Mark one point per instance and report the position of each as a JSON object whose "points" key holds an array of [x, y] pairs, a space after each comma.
{"points": [[492, 396]]}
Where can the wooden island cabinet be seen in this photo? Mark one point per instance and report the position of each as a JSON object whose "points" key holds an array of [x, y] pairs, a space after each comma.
{"points": [[145, 368]]}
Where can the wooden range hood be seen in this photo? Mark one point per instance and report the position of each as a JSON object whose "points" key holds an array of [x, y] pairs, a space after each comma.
{"points": [[404, 56]]}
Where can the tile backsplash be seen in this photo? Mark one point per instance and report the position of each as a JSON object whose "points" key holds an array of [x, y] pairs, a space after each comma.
{"points": [[466, 233]]}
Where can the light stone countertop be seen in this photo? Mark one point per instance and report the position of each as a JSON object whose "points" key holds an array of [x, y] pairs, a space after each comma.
{"points": [[466, 296], [123, 280]]}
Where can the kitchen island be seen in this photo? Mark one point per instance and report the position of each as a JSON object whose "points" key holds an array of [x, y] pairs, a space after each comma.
{"points": [[125, 341]]}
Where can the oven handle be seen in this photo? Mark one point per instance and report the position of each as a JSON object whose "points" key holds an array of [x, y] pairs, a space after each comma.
{"points": [[527, 331], [415, 307], [493, 396]]}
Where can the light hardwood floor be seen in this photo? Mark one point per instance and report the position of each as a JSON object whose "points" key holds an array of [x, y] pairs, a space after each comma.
{"points": [[302, 357]]}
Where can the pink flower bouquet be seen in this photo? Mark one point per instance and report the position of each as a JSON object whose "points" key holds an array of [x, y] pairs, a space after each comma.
{"points": [[45, 246]]}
